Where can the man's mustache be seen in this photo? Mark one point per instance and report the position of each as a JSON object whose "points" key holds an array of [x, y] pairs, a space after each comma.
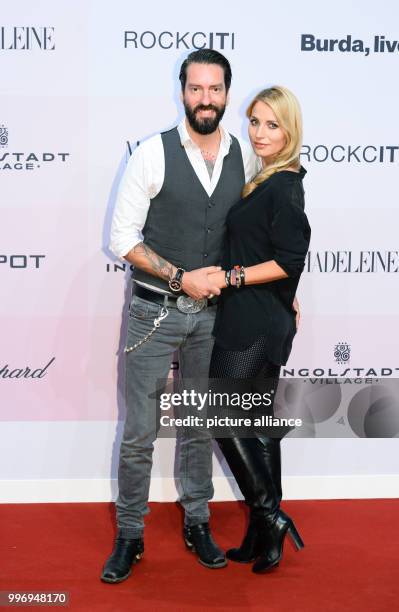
{"points": [[205, 108]]}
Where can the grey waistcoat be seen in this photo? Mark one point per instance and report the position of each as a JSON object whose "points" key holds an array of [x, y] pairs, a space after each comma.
{"points": [[184, 225]]}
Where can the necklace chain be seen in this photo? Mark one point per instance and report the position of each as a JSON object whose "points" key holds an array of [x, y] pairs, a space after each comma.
{"points": [[208, 155]]}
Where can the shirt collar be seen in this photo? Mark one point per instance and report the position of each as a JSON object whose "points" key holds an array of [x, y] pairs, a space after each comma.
{"points": [[225, 138]]}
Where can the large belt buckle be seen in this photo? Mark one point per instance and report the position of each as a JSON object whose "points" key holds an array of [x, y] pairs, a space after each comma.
{"points": [[188, 305]]}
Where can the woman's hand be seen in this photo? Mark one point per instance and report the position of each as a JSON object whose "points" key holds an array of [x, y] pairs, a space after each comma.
{"points": [[295, 306]]}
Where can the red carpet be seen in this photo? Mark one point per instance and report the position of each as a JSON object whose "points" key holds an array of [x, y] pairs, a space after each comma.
{"points": [[350, 560]]}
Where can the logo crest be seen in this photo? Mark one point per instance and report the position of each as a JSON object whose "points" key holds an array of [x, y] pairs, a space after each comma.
{"points": [[3, 136], [342, 352]]}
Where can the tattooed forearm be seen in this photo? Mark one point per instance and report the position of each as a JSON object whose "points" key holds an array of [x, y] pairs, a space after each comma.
{"points": [[152, 262]]}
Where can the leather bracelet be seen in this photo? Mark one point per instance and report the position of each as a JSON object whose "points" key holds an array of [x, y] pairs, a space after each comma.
{"points": [[237, 271], [233, 277]]}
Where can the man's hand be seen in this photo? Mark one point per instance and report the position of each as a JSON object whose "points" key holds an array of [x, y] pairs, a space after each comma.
{"points": [[197, 284], [218, 279], [295, 306]]}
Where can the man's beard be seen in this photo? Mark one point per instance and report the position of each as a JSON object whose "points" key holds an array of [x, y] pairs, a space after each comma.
{"points": [[207, 125]]}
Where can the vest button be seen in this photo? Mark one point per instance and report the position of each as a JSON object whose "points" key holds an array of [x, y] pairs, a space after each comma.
{"points": [[208, 230], [205, 254]]}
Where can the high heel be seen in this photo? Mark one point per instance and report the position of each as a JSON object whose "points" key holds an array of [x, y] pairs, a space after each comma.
{"points": [[296, 538], [274, 537]]}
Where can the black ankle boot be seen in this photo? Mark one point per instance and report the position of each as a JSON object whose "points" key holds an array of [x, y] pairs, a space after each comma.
{"points": [[118, 566], [273, 536], [198, 539]]}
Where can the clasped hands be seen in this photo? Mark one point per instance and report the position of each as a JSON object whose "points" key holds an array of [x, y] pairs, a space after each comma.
{"points": [[204, 282]]}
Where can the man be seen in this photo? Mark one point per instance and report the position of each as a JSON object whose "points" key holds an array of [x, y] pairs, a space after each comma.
{"points": [[169, 222]]}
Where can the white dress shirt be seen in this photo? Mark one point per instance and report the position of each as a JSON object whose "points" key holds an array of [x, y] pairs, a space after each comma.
{"points": [[143, 180]]}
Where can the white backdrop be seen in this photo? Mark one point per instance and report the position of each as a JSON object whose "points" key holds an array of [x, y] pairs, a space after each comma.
{"points": [[73, 92]]}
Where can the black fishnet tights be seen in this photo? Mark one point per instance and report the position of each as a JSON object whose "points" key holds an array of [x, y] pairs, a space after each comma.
{"points": [[249, 363]]}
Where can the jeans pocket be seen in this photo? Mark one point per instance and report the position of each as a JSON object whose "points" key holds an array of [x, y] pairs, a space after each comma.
{"points": [[142, 309]]}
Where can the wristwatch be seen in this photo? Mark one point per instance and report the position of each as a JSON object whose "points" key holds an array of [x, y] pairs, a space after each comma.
{"points": [[175, 282]]}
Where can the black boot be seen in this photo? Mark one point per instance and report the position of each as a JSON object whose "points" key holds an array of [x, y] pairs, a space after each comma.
{"points": [[273, 539], [198, 539], [255, 464], [118, 566]]}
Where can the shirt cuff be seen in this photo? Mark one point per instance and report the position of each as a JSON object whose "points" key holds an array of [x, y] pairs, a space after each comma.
{"points": [[292, 269], [122, 249]]}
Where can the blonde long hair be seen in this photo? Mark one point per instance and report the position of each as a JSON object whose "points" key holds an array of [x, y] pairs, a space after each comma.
{"points": [[288, 113]]}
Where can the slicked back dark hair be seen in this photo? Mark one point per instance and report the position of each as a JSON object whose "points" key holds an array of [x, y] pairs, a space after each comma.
{"points": [[206, 56]]}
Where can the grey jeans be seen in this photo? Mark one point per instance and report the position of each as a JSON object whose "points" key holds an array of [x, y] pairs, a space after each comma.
{"points": [[191, 335]]}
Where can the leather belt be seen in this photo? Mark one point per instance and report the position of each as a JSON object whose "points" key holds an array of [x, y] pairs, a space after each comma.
{"points": [[159, 298]]}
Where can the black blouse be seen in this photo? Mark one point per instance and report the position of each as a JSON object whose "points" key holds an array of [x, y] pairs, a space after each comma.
{"points": [[270, 223]]}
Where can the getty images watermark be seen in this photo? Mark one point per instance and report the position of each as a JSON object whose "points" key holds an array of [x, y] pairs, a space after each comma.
{"points": [[221, 408], [193, 400]]}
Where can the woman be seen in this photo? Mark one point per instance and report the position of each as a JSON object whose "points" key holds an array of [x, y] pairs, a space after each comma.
{"points": [[267, 240]]}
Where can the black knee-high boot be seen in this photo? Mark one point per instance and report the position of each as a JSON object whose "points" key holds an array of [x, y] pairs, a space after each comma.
{"points": [[256, 465]]}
